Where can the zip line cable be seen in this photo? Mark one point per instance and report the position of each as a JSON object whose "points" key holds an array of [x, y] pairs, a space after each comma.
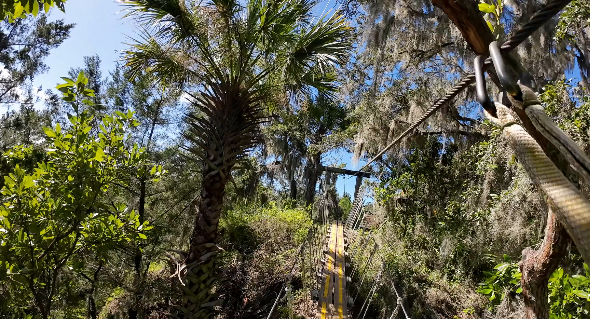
{"points": [[538, 19]]}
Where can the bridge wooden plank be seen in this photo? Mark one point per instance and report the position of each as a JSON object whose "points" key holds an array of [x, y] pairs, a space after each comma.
{"points": [[340, 291], [333, 297], [325, 294]]}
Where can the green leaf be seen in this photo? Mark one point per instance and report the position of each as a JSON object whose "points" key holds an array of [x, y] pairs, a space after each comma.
{"points": [[89, 92], [487, 8], [35, 11], [68, 80], [99, 155], [82, 79], [485, 291], [28, 182], [18, 9], [57, 128], [580, 278], [49, 132], [491, 26], [142, 236], [69, 97], [582, 294], [64, 85], [153, 171], [519, 290]]}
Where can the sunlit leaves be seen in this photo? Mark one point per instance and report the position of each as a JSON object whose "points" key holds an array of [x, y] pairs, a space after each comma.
{"points": [[569, 296], [487, 8], [575, 17], [493, 14], [51, 213], [13, 9]]}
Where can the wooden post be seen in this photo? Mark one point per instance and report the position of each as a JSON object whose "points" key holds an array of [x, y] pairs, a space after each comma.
{"points": [[357, 186]]}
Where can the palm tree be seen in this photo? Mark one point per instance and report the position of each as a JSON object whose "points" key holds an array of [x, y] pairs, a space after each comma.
{"points": [[239, 60]]}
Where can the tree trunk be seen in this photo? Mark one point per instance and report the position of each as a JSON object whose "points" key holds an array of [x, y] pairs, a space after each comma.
{"points": [[469, 20], [138, 293], [293, 189], [92, 313], [209, 212], [312, 171], [538, 265]]}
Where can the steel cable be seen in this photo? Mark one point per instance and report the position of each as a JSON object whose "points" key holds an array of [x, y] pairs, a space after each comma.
{"points": [[538, 19]]}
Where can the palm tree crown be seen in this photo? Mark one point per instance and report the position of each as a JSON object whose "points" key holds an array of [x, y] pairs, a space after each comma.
{"points": [[235, 59]]}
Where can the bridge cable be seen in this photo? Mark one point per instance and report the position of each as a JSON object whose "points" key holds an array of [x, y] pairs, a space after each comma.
{"points": [[538, 19]]}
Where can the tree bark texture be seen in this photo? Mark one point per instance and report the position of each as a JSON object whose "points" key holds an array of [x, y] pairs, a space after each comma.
{"points": [[469, 20], [312, 171], [209, 210], [538, 265]]}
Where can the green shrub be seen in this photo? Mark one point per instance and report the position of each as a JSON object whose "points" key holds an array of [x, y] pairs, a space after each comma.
{"points": [[505, 276], [569, 296]]}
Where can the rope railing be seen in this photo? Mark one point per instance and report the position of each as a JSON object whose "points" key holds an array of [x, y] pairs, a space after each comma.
{"points": [[313, 242], [382, 273], [399, 304], [357, 205], [538, 19], [371, 293], [299, 251]]}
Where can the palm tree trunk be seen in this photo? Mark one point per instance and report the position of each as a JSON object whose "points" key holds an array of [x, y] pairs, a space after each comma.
{"points": [[201, 265], [209, 211]]}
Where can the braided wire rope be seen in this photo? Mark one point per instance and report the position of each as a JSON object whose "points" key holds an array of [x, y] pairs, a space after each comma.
{"points": [[538, 19], [313, 239], [369, 297], [399, 304], [356, 206]]}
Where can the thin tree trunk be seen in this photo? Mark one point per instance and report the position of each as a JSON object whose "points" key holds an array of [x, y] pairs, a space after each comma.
{"points": [[92, 311], [312, 178], [137, 261], [538, 265], [293, 189], [136, 308]]}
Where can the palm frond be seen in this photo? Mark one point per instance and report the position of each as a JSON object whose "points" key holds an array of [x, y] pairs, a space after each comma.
{"points": [[169, 17], [165, 62], [321, 46], [277, 21], [226, 122]]}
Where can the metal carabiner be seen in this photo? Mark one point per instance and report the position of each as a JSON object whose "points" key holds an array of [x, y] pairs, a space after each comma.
{"points": [[480, 86], [506, 79]]}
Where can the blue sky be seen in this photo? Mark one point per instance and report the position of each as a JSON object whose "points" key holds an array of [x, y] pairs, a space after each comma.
{"points": [[100, 29]]}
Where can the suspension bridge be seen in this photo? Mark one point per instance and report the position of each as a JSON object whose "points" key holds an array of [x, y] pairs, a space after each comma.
{"points": [[345, 289], [327, 268]]}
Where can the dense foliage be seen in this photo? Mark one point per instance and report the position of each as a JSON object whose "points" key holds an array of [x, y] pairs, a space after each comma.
{"points": [[189, 180]]}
